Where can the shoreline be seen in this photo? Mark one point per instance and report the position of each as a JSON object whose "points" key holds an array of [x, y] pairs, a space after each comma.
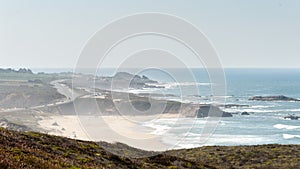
{"points": [[112, 129]]}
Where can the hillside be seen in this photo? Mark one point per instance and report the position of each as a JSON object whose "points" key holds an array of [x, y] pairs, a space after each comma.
{"points": [[23, 94], [35, 150]]}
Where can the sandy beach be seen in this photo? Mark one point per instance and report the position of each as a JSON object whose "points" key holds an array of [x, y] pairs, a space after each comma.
{"points": [[124, 129]]}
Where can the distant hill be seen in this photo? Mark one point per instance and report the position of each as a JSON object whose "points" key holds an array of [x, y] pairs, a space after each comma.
{"points": [[35, 150], [24, 74]]}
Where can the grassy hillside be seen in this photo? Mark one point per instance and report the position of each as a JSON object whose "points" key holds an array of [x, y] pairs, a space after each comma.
{"points": [[35, 150]]}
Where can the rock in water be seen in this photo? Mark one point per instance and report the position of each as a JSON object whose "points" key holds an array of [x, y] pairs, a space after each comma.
{"points": [[292, 117], [211, 111], [273, 98], [245, 113]]}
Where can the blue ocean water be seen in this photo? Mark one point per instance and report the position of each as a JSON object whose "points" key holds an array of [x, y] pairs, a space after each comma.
{"points": [[264, 125]]}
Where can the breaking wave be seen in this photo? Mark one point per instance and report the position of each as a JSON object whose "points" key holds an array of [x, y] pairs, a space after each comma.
{"points": [[284, 126]]}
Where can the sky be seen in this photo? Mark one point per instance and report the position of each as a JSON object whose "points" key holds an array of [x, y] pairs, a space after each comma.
{"points": [[246, 34]]}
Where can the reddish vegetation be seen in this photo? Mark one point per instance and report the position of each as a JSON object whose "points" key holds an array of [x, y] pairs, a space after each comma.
{"points": [[35, 150]]}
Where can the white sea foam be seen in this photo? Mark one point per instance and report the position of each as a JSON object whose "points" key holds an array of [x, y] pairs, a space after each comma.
{"points": [[226, 97], [134, 91], [290, 136], [237, 139], [260, 110], [144, 90], [179, 84], [290, 110], [220, 139], [284, 126], [161, 126], [158, 129], [233, 110], [262, 106]]}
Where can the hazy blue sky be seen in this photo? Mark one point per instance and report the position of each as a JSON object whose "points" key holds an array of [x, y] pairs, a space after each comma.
{"points": [[51, 33]]}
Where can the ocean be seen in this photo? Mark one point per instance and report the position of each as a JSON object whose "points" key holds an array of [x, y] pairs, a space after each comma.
{"points": [[264, 125]]}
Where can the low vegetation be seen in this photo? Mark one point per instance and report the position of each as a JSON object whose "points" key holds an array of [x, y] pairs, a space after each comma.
{"points": [[36, 150]]}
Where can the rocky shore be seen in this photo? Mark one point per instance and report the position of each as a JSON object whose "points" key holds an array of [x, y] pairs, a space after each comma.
{"points": [[273, 98]]}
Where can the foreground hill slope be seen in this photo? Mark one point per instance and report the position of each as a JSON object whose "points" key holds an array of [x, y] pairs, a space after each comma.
{"points": [[35, 150]]}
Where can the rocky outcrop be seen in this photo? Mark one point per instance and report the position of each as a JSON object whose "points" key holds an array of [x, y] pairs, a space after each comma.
{"points": [[235, 105], [136, 81], [245, 113], [273, 98], [106, 106], [211, 111], [121, 80], [292, 117], [21, 70]]}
